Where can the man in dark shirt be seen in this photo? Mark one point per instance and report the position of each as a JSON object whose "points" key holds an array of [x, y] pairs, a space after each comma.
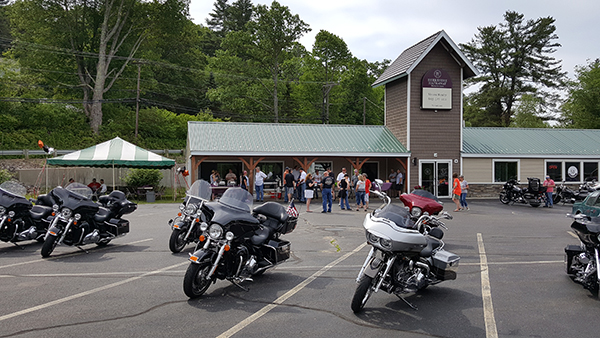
{"points": [[289, 183], [326, 185]]}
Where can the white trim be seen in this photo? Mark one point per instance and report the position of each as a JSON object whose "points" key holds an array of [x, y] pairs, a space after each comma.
{"points": [[564, 171], [545, 156], [505, 160], [287, 154], [408, 85]]}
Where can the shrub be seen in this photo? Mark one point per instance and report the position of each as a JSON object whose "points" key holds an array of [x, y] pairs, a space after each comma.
{"points": [[143, 177], [5, 175]]}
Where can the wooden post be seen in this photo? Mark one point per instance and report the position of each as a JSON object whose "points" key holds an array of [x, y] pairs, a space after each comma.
{"points": [[251, 165]]}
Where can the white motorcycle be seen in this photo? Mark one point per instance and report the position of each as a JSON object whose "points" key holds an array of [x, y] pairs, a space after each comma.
{"points": [[405, 256]]}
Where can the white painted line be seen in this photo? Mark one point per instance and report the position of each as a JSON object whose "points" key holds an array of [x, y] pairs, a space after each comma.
{"points": [[86, 293], [287, 295], [572, 234], [486, 292], [514, 263], [69, 254]]}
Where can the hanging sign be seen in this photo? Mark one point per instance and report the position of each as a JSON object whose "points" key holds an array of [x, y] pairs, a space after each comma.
{"points": [[436, 90]]}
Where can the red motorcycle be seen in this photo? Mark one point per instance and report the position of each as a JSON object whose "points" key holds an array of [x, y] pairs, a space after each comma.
{"points": [[420, 201]]}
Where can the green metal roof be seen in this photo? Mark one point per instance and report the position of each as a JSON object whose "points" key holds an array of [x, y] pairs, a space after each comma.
{"points": [[271, 139], [530, 142]]}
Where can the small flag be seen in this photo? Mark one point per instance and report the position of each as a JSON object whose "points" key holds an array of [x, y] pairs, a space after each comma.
{"points": [[291, 210]]}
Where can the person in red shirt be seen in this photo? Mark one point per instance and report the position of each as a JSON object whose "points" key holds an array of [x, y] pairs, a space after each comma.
{"points": [[94, 185], [367, 190], [549, 184], [456, 191]]}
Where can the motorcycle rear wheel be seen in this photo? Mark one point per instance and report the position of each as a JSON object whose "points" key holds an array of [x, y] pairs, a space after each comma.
{"points": [[362, 293], [48, 246], [177, 241], [195, 283], [504, 198]]}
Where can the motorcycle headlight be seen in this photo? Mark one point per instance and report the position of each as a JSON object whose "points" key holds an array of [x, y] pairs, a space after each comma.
{"points": [[66, 213], [385, 243], [77, 217], [229, 235], [55, 207], [372, 238], [203, 226], [181, 206], [190, 209], [215, 231], [416, 212], [11, 214], [2, 210]]}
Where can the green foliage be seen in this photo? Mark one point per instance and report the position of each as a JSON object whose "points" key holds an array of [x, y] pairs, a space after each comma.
{"points": [[5, 175], [514, 59], [528, 112], [582, 108], [143, 177]]}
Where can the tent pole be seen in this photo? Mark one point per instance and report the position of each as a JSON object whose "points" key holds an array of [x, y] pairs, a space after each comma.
{"points": [[113, 163]]}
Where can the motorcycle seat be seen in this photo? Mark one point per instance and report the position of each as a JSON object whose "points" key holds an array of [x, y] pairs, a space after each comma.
{"points": [[102, 215], [273, 210], [261, 235], [38, 212], [45, 199], [432, 244]]}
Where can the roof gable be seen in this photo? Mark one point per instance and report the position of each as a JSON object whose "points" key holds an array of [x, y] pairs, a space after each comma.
{"points": [[271, 139], [412, 56], [535, 142]]}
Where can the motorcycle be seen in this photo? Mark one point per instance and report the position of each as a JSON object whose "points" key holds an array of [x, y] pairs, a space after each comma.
{"points": [[20, 220], [405, 256], [237, 242], [568, 195], [582, 262], [420, 201], [534, 194], [78, 220], [186, 226]]}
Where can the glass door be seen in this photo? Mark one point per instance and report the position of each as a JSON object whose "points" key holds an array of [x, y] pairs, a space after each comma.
{"points": [[435, 177]]}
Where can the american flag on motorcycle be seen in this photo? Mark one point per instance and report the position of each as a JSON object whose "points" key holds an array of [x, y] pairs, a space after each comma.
{"points": [[291, 210]]}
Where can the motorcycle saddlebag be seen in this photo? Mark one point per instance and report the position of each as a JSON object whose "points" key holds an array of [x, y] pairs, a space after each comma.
{"points": [[445, 264], [118, 227], [280, 250], [570, 252]]}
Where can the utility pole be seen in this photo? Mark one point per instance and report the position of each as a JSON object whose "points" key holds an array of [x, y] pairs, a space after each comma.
{"points": [[137, 98], [364, 110], [326, 89]]}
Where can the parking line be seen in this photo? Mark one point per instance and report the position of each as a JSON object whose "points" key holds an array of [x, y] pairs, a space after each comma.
{"points": [[87, 293], [287, 295], [69, 254], [486, 292]]}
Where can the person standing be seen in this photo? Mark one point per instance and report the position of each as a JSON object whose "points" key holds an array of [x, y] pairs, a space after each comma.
{"points": [[464, 187], [456, 191], [326, 186], [103, 187], [344, 184], [309, 192], [360, 192], [296, 174], [399, 182], [244, 180], [302, 185], [392, 179], [317, 179], [288, 183], [353, 181], [549, 184], [367, 190], [259, 182], [338, 179]]}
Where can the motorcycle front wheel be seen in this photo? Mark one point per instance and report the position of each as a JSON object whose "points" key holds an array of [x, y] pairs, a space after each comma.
{"points": [[195, 283], [177, 241], [362, 293], [48, 246], [504, 198]]}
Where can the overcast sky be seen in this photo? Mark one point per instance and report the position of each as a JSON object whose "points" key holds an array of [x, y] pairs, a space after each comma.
{"points": [[381, 29]]}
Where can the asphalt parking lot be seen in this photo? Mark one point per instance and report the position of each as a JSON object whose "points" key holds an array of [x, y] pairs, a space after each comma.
{"points": [[511, 283]]}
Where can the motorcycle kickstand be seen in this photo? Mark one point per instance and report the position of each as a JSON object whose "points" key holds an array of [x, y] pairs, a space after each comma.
{"points": [[236, 283], [18, 246], [82, 249], [408, 303]]}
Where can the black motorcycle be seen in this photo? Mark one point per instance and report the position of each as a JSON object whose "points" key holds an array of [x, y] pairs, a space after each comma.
{"points": [[534, 194], [565, 194], [583, 261], [238, 242], [186, 226], [78, 220], [20, 220]]}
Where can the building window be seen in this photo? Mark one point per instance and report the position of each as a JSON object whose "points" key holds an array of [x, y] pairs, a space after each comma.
{"points": [[573, 171], [554, 170], [590, 170], [506, 170]]}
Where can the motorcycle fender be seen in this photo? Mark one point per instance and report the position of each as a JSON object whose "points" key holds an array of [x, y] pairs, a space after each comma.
{"points": [[181, 225], [373, 267], [202, 255], [53, 231]]}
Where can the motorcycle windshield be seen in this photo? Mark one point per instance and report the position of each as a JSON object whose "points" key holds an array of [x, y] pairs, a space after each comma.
{"points": [[237, 198], [398, 215], [74, 198], [14, 188], [200, 189], [80, 189], [425, 193]]}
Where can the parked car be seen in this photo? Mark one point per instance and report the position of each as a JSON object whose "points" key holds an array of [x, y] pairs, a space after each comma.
{"points": [[420, 201], [590, 206]]}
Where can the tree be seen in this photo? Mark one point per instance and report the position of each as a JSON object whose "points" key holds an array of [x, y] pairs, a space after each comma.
{"points": [[582, 107], [514, 59], [528, 113]]}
